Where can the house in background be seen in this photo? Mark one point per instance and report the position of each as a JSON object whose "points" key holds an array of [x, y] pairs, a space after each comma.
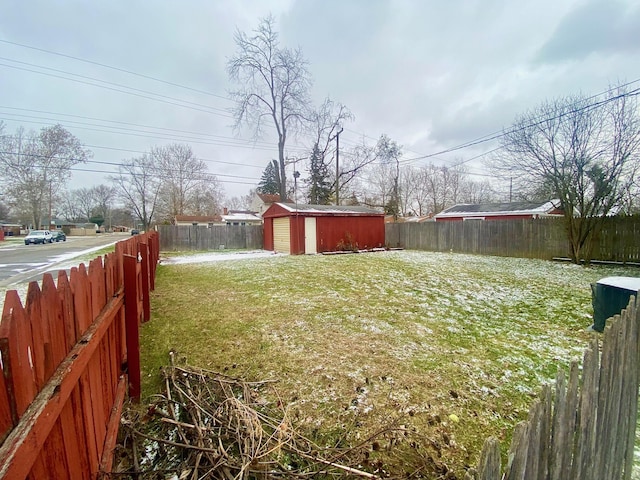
{"points": [[500, 211], [262, 201], [298, 229], [199, 220], [240, 217]]}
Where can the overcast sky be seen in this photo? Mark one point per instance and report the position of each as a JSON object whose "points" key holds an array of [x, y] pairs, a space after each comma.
{"points": [[430, 74]]}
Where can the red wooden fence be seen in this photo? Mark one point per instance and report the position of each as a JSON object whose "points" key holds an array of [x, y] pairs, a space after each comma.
{"points": [[68, 357]]}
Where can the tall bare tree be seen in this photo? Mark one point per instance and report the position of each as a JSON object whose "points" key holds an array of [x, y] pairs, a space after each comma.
{"points": [[273, 87], [138, 185], [36, 166], [185, 181], [585, 153]]}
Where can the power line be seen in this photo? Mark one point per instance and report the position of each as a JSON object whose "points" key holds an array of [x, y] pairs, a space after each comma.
{"points": [[122, 164], [158, 136], [225, 112], [180, 134], [119, 90], [91, 62], [497, 135], [149, 77], [208, 160]]}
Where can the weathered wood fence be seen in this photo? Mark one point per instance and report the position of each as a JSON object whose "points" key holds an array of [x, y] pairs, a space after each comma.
{"points": [[585, 429], [217, 237], [68, 357], [543, 238]]}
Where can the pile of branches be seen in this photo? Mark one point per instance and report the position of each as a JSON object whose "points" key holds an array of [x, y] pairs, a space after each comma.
{"points": [[206, 425]]}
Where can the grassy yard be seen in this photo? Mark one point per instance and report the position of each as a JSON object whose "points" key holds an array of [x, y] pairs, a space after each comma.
{"points": [[450, 347]]}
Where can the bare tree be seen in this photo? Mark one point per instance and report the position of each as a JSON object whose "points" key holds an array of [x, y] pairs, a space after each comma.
{"points": [[208, 198], [36, 166], [274, 87], [477, 192], [103, 196], [586, 153], [325, 124], [138, 185], [185, 181]]}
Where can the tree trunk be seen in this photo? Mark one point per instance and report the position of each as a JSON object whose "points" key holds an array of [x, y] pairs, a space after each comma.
{"points": [[283, 181]]}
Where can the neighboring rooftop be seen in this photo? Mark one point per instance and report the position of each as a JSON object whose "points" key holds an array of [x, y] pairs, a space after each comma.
{"points": [[512, 208]]}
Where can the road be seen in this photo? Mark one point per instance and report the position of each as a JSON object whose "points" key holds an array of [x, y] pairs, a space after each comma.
{"points": [[21, 263]]}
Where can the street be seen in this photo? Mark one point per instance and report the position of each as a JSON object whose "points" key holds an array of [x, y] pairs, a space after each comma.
{"points": [[21, 263]]}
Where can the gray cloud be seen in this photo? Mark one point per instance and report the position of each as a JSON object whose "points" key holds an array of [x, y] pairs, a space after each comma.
{"points": [[597, 27], [429, 74]]}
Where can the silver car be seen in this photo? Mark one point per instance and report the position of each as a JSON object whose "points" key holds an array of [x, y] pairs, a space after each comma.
{"points": [[38, 236]]}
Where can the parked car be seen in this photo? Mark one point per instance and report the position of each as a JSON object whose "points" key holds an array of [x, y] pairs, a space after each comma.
{"points": [[135, 231], [38, 236], [58, 235]]}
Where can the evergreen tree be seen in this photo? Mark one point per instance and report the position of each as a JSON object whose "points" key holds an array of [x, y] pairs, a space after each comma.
{"points": [[270, 180], [320, 191]]}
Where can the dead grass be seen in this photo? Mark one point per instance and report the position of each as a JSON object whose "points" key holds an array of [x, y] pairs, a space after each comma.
{"points": [[451, 347]]}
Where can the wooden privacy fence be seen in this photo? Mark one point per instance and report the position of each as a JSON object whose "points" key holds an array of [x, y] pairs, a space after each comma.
{"points": [[585, 430], [543, 238], [67, 358], [217, 237]]}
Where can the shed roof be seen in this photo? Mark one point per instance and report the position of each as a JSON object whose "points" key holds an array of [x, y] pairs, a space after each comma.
{"points": [[494, 209], [329, 209], [241, 217]]}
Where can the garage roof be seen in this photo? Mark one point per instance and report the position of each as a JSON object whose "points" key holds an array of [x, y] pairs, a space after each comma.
{"points": [[329, 209]]}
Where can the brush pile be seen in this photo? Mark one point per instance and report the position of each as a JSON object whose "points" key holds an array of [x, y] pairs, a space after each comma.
{"points": [[207, 425]]}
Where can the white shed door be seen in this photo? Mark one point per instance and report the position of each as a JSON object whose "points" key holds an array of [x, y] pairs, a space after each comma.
{"points": [[310, 242], [281, 235]]}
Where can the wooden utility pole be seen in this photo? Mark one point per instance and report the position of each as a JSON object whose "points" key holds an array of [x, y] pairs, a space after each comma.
{"points": [[337, 137]]}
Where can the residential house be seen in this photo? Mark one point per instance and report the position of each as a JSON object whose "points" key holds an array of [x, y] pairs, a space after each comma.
{"points": [[199, 220], [500, 211], [262, 201]]}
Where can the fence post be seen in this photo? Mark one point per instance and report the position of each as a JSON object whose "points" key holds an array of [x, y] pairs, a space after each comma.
{"points": [[131, 318], [143, 248]]}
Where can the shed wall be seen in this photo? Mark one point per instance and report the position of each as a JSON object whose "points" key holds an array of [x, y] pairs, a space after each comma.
{"points": [[268, 234], [367, 232]]}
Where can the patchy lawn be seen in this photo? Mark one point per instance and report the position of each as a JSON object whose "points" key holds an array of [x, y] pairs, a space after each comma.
{"points": [[451, 346]]}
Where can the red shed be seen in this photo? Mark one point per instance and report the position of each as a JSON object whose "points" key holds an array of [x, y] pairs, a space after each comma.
{"points": [[298, 229]]}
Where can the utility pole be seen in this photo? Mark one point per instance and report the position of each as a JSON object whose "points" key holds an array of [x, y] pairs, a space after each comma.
{"points": [[337, 137], [510, 188]]}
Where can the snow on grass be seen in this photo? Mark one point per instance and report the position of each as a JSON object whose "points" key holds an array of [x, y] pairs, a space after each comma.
{"points": [[365, 338], [208, 257]]}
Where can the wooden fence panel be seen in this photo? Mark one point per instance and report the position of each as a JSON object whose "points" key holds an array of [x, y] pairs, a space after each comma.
{"points": [[217, 237], [62, 385], [543, 238]]}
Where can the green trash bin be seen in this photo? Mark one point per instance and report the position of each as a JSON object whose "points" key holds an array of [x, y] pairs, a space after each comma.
{"points": [[609, 296]]}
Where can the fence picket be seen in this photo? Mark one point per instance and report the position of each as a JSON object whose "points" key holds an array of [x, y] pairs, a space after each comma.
{"points": [[61, 358], [489, 466], [15, 345], [51, 311], [517, 457]]}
